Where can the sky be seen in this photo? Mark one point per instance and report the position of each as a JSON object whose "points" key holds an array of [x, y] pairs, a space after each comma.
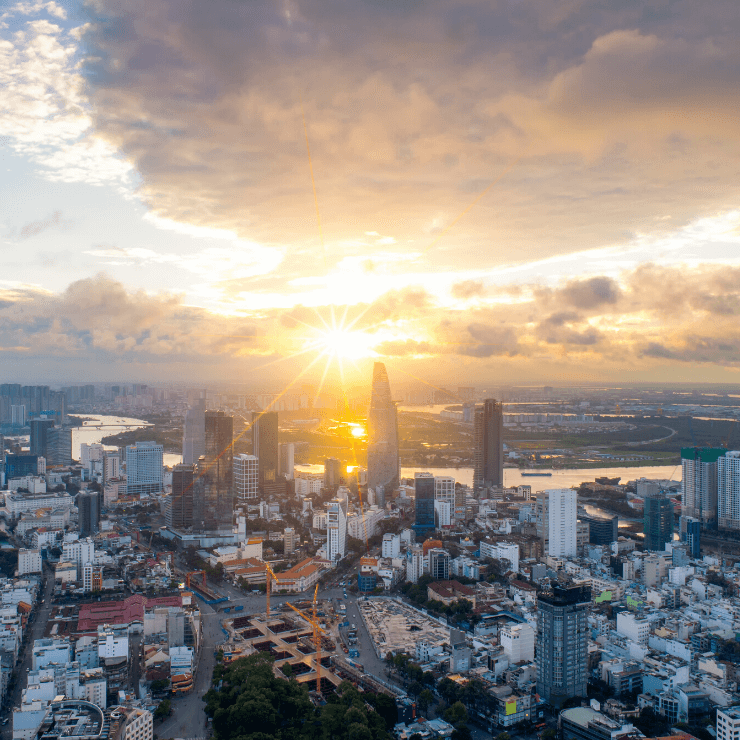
{"points": [[472, 192]]}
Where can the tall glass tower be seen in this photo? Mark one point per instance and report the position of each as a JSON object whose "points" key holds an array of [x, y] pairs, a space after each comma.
{"points": [[658, 522], [562, 643], [213, 503], [265, 446], [382, 435], [424, 488], [488, 455]]}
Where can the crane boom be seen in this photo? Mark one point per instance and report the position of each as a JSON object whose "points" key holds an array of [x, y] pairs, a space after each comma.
{"points": [[269, 576], [317, 631]]}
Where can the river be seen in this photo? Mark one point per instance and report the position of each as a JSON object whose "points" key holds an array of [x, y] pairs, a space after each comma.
{"points": [[97, 426], [559, 478]]}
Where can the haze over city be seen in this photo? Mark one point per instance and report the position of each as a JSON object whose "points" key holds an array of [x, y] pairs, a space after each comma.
{"points": [[515, 191]]}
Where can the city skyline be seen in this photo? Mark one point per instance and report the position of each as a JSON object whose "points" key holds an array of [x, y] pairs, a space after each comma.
{"points": [[559, 221]]}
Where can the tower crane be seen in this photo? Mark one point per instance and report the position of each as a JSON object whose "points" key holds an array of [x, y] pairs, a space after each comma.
{"points": [[270, 575], [317, 632]]}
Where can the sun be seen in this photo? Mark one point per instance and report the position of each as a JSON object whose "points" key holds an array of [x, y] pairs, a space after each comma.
{"points": [[344, 344], [357, 431]]}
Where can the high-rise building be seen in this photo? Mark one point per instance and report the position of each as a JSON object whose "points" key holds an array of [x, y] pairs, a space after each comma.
{"points": [[88, 510], [424, 524], [181, 502], [143, 468], [444, 490], [562, 643], [287, 460], [382, 436], [265, 446], [658, 521], [728, 723], [59, 446], [194, 432], [602, 530], [39, 427], [246, 478], [336, 530], [557, 522], [213, 503], [488, 455], [699, 483], [111, 465], [332, 472], [439, 564], [290, 540], [35, 399], [728, 490]]}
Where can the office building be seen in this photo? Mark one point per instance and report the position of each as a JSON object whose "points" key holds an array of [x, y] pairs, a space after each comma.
{"points": [[728, 490], [557, 524], [444, 495], [88, 509], [562, 643], [602, 530], [246, 478], [19, 466], [693, 538], [143, 468], [488, 454], [658, 521], [181, 501], [424, 524], [287, 460], [265, 446], [194, 433], [382, 437], [439, 564], [336, 530], [333, 475], [213, 503], [59, 446], [39, 428], [699, 483], [29, 561]]}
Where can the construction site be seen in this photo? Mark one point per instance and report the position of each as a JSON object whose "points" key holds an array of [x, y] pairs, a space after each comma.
{"points": [[395, 627], [303, 647]]}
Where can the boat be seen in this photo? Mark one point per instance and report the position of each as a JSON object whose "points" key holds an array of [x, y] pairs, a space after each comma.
{"points": [[532, 474], [605, 481]]}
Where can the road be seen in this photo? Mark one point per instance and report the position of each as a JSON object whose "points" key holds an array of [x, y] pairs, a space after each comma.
{"points": [[37, 626]]}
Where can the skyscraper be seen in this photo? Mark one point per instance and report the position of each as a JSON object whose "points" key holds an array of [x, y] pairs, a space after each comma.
{"points": [[488, 455], [39, 427], [658, 521], [382, 437], [88, 511], [332, 472], [557, 522], [287, 460], [699, 483], [213, 502], [246, 478], [424, 488], [265, 446], [336, 530], [562, 643], [728, 490], [181, 512], [194, 432], [143, 468], [59, 446]]}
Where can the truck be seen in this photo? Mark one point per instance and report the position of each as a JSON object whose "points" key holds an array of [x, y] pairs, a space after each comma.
{"points": [[239, 608]]}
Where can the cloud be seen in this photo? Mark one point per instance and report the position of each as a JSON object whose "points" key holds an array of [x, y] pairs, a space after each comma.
{"points": [[34, 228], [613, 116]]}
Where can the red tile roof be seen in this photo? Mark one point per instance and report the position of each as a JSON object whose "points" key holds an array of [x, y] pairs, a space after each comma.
{"points": [[123, 611]]}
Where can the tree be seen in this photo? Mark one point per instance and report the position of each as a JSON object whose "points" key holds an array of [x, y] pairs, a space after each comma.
{"points": [[163, 709], [456, 714], [426, 699]]}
